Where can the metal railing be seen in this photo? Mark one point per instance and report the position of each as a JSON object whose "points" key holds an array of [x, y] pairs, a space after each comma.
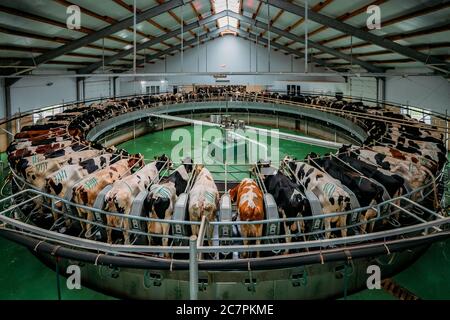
{"points": [[421, 219], [385, 210]]}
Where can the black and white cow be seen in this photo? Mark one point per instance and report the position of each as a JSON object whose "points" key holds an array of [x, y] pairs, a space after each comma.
{"points": [[327, 189], [367, 192], [162, 197], [290, 201]]}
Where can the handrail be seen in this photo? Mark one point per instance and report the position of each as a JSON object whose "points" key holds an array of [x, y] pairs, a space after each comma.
{"points": [[50, 235]]}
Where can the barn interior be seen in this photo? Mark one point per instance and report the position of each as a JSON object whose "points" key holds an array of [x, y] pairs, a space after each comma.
{"points": [[59, 53]]}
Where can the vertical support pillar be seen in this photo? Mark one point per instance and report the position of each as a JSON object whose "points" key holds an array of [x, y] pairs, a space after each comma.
{"points": [[381, 90], [8, 107], [306, 36], [182, 38], [81, 87], [256, 54], [193, 268], [134, 36], [114, 79], [198, 52], [268, 34], [447, 132]]}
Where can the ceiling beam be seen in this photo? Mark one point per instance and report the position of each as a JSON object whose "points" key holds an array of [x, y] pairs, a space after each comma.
{"points": [[150, 21], [417, 11], [315, 8], [49, 39], [420, 47], [432, 62], [141, 46], [348, 15], [62, 25], [43, 50], [199, 16], [90, 13], [107, 31], [264, 41], [440, 27], [273, 20], [313, 44], [176, 18], [168, 51]]}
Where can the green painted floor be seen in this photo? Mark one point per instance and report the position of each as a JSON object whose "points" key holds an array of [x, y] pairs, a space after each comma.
{"points": [[22, 276]]}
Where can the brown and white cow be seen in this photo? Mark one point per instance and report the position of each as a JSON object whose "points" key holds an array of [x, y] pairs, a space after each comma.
{"points": [[16, 155], [87, 189], [406, 156], [250, 205], [120, 198], [203, 199], [414, 173], [52, 132], [36, 174], [59, 182]]}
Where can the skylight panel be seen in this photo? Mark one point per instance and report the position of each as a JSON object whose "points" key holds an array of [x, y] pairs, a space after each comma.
{"points": [[222, 5]]}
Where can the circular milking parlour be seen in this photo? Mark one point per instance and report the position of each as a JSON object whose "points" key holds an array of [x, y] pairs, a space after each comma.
{"points": [[173, 226]]}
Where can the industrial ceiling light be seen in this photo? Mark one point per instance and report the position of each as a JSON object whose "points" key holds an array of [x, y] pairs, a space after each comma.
{"points": [[228, 32]]}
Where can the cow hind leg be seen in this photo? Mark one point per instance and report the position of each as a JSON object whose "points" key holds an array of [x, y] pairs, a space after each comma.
{"points": [[109, 229], [126, 234], [90, 217], [149, 237], [194, 229], [245, 254], [342, 223], [327, 223], [259, 229]]}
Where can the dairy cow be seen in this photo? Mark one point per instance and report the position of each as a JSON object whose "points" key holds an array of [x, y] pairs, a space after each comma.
{"points": [[161, 199], [120, 197], [86, 190], [203, 199], [331, 195], [250, 206]]}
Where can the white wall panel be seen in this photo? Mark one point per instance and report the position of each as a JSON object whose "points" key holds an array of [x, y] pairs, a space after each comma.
{"points": [[31, 93], [427, 92]]}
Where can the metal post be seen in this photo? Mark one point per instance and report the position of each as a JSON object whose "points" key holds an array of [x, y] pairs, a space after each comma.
{"points": [[268, 32], [306, 36], [103, 55], [198, 52], [447, 133], [134, 36], [84, 90], [8, 108], [18, 125], [182, 39], [256, 53], [193, 268]]}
